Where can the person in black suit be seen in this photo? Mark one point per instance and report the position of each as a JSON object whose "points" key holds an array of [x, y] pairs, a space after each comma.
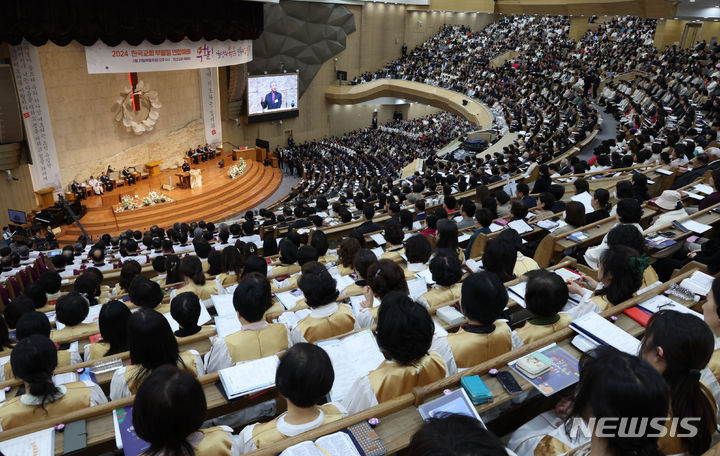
{"points": [[368, 226], [128, 176], [107, 182], [78, 190], [186, 166], [273, 100]]}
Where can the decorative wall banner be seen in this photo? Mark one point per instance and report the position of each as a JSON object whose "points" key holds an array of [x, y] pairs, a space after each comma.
{"points": [[45, 168], [183, 55], [211, 105]]}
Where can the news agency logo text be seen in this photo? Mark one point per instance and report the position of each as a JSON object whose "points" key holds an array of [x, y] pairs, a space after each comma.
{"points": [[624, 427]]}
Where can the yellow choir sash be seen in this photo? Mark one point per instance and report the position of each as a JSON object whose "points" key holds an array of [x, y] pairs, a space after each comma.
{"points": [[531, 332], [253, 344], [132, 371], [443, 295], [14, 413], [470, 349], [215, 442], [264, 434], [392, 380], [315, 329]]}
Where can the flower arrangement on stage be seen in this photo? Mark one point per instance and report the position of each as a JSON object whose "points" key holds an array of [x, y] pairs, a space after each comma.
{"points": [[237, 169], [154, 198], [130, 203]]}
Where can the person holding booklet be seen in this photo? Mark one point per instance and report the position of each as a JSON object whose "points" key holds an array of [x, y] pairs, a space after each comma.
{"points": [[679, 346], [304, 377], [620, 272], [257, 338], [327, 318], [33, 361], [169, 410], [404, 334], [151, 343], [363, 259], [185, 310]]}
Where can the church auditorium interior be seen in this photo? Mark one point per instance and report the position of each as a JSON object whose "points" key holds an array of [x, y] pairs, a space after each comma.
{"points": [[360, 227]]}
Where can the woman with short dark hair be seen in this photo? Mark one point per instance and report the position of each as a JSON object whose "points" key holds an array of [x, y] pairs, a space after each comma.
{"points": [[304, 377], [404, 335]]}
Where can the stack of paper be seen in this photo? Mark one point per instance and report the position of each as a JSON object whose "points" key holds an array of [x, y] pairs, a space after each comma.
{"points": [[223, 304], [695, 227], [352, 358], [290, 298], [602, 332], [249, 377], [227, 324]]}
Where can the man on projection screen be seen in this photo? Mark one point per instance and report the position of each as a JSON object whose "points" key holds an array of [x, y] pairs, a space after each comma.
{"points": [[273, 100]]}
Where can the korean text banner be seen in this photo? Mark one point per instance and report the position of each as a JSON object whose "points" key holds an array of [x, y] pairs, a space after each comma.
{"points": [[167, 56]]}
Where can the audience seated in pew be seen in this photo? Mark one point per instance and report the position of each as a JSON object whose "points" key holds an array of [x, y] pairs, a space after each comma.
{"points": [[363, 259], [33, 361], [384, 276], [113, 324], [404, 334], [446, 270], [304, 377], [185, 310], [546, 294], [151, 344], [257, 338]]}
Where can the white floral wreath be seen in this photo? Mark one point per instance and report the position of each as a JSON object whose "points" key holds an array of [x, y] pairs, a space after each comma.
{"points": [[146, 116]]}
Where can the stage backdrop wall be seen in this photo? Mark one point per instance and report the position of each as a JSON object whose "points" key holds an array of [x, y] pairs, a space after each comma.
{"points": [[88, 138]]}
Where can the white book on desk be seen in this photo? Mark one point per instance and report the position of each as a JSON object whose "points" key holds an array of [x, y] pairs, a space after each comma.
{"points": [[662, 302], [34, 444], [226, 325], [249, 377], [289, 299], [352, 358], [521, 226], [601, 331], [337, 444], [223, 304]]}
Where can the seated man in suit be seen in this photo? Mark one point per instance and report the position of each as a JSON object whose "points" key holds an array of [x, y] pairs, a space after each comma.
{"points": [[186, 166], [78, 190], [128, 175], [273, 100], [106, 181]]}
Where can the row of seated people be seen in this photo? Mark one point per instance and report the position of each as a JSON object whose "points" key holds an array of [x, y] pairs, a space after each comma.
{"points": [[547, 294]]}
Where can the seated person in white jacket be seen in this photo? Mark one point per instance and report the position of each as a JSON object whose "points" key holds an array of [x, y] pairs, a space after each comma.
{"points": [[404, 334], [257, 338], [628, 212], [304, 377], [151, 343], [671, 209]]}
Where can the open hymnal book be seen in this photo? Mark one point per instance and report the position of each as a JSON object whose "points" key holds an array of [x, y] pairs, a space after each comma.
{"points": [[226, 325], [521, 226], [474, 266], [352, 357], [586, 199], [356, 303], [291, 319], [594, 327], [249, 377], [699, 283], [662, 302], [37, 443], [337, 444], [223, 304], [417, 287], [290, 298]]}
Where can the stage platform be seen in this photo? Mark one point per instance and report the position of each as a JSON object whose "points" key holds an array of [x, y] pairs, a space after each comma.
{"points": [[218, 199]]}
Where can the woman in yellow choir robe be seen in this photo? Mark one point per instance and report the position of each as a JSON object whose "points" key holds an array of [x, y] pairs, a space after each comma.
{"points": [[129, 270], [404, 334], [679, 346], [169, 410], [304, 377], [318, 239], [37, 323], [34, 360], [417, 252], [485, 335], [447, 238], [612, 384], [70, 311], [288, 260], [363, 260], [327, 318], [394, 236], [231, 265], [629, 236], [257, 338], [147, 293], [113, 324], [447, 271], [349, 247], [191, 269], [383, 277], [151, 344], [545, 295], [620, 272]]}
